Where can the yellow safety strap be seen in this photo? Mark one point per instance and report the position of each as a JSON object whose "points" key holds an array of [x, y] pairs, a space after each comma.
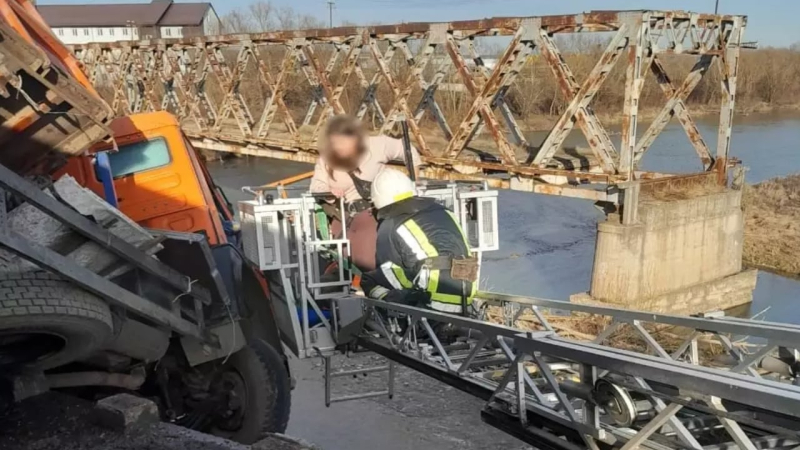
{"points": [[416, 231], [403, 196], [449, 298], [433, 282], [401, 276], [430, 250]]}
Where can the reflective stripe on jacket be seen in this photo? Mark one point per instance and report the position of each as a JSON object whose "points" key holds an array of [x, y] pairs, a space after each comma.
{"points": [[409, 232]]}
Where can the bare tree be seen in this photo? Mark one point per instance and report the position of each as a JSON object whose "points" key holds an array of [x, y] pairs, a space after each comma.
{"points": [[307, 22], [287, 18], [261, 13], [235, 22]]}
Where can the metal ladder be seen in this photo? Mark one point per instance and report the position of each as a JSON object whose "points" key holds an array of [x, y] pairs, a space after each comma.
{"points": [[330, 375], [555, 392]]}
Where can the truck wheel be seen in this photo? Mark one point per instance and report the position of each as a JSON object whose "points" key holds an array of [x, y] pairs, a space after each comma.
{"points": [[259, 392], [46, 321]]}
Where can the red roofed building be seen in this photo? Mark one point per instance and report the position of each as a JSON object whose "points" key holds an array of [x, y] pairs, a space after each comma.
{"points": [[98, 22]]}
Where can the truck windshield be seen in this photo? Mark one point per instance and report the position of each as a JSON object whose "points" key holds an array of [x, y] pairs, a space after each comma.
{"points": [[139, 157]]}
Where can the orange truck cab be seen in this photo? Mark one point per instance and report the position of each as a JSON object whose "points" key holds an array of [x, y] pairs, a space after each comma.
{"points": [[153, 175], [158, 178], [139, 318]]}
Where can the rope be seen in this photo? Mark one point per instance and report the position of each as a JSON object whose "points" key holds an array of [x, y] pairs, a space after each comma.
{"points": [[188, 290], [230, 316]]}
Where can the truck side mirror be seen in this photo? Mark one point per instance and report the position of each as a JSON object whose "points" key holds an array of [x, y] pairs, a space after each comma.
{"points": [[102, 168]]}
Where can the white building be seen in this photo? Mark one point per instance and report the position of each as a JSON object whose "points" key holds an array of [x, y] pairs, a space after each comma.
{"points": [[97, 22]]}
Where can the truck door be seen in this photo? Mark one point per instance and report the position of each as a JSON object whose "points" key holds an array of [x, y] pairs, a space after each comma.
{"points": [[158, 185]]}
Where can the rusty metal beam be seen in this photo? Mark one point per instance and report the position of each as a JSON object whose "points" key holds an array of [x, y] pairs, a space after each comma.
{"points": [[400, 97], [730, 71], [481, 109], [275, 100], [428, 100], [638, 52], [582, 98], [370, 87], [675, 106], [233, 104], [593, 21], [596, 135], [333, 92], [228, 91]]}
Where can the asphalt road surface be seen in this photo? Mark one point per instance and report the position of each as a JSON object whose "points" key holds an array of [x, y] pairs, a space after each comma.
{"points": [[424, 413]]}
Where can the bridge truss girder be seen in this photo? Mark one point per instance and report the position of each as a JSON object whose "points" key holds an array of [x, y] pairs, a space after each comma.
{"points": [[244, 93]]}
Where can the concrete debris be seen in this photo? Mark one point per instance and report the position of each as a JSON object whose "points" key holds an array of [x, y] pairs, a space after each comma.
{"points": [[39, 227], [125, 411]]}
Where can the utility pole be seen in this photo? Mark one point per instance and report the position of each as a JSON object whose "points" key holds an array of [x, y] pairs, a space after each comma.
{"points": [[131, 24], [716, 7], [330, 12]]}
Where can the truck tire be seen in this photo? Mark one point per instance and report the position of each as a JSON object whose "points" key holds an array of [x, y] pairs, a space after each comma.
{"points": [[46, 321], [266, 400]]}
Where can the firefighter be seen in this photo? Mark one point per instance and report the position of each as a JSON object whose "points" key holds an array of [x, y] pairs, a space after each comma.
{"points": [[422, 255]]}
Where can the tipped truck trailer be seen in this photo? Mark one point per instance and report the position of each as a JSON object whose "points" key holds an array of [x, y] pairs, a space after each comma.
{"points": [[119, 263]]}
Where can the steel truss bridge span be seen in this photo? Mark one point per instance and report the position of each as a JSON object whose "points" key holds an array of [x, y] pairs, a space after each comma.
{"points": [[271, 94]]}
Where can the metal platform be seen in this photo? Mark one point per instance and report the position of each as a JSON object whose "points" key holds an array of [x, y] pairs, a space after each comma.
{"points": [[560, 393], [288, 239]]}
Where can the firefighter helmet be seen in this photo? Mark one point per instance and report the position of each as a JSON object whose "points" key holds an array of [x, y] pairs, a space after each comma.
{"points": [[391, 186]]}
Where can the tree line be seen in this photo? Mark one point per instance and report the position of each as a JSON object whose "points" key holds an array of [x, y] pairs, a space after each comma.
{"points": [[768, 77]]}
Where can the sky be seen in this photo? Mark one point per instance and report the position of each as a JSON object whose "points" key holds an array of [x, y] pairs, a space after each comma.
{"points": [[770, 22]]}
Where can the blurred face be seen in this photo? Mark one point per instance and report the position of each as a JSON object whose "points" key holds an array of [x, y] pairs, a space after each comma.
{"points": [[343, 147]]}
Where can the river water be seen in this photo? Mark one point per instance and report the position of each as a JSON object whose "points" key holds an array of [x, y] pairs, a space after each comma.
{"points": [[547, 243]]}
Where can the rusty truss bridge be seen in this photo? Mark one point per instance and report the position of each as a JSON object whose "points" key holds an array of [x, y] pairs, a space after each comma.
{"points": [[270, 94]]}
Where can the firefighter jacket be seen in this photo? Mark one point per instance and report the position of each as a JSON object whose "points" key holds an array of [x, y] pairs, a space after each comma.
{"points": [[414, 236]]}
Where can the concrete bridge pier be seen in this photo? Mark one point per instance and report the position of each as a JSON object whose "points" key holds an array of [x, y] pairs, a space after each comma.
{"points": [[680, 253]]}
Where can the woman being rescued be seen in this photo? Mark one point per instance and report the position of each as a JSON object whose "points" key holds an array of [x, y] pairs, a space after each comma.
{"points": [[349, 161]]}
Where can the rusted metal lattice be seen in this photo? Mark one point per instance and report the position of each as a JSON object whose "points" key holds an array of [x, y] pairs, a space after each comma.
{"points": [[270, 94]]}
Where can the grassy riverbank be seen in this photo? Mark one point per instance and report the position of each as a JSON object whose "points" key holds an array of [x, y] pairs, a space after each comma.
{"points": [[772, 225]]}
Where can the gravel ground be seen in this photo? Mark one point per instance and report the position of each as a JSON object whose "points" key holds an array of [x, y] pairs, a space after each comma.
{"points": [[56, 421], [424, 413]]}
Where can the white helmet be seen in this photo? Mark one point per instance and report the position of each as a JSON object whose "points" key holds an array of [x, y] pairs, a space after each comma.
{"points": [[391, 186]]}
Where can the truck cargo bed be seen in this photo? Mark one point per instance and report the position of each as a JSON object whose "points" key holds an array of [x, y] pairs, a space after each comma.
{"points": [[48, 108]]}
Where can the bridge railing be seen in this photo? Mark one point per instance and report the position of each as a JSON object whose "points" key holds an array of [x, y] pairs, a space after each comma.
{"points": [[271, 94]]}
